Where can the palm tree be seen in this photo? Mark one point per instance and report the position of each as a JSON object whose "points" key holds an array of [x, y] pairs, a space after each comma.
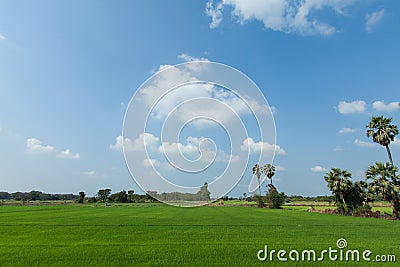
{"points": [[382, 132], [257, 172], [338, 182], [385, 183], [269, 171]]}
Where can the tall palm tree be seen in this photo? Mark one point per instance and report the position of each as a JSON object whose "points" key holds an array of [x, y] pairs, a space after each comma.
{"points": [[257, 172], [385, 183], [382, 132], [269, 171], [338, 182]]}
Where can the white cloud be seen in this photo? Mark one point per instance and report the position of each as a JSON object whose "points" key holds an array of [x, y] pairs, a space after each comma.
{"points": [[89, 173], [144, 139], [215, 12], [257, 147], [194, 149], [67, 154], [318, 169], [118, 143], [35, 145], [381, 106], [280, 168], [352, 107], [346, 130], [2, 37], [188, 58], [373, 18], [177, 148], [149, 162], [222, 104], [194, 99], [281, 15], [274, 110], [360, 143]]}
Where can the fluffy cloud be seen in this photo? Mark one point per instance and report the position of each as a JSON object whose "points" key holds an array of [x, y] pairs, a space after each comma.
{"points": [[318, 169], [280, 15], [215, 12], [177, 148], [118, 145], [360, 143], [381, 106], [35, 145], [257, 147], [195, 149], [346, 130], [144, 139], [2, 37], [67, 154], [352, 107], [373, 18], [193, 100], [188, 58], [361, 106], [149, 162]]}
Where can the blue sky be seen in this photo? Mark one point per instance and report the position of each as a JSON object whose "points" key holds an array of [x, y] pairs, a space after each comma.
{"points": [[68, 69]]}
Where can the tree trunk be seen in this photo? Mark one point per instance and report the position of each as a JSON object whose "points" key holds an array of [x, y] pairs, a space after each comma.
{"points": [[259, 187], [389, 154], [342, 198], [396, 208]]}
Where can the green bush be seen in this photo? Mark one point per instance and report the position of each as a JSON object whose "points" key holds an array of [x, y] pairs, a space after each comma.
{"points": [[275, 199]]}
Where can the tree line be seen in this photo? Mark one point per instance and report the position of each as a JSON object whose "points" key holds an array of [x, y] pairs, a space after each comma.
{"points": [[35, 195], [202, 195], [105, 196], [381, 178]]}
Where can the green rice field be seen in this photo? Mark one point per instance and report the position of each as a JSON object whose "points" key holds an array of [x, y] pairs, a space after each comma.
{"points": [[160, 235]]}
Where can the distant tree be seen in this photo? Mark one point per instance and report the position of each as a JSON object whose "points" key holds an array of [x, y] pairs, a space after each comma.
{"points": [[274, 198], [81, 197], [269, 171], [257, 171], [151, 196], [34, 195], [386, 184], [120, 197], [92, 200], [103, 194], [5, 195], [382, 132]]}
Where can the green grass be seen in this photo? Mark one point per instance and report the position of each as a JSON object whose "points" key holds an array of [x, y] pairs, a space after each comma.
{"points": [[159, 235]]}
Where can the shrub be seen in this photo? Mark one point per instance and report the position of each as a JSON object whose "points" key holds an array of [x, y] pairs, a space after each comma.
{"points": [[274, 198]]}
